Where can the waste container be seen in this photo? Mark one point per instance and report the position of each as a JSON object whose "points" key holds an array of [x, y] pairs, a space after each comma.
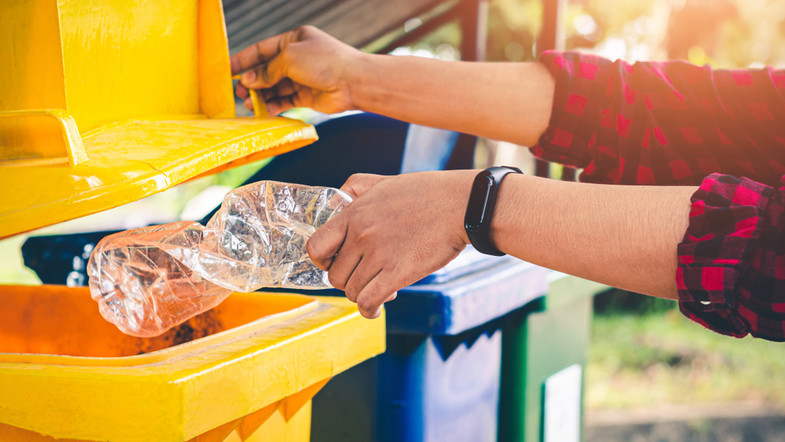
{"points": [[104, 102], [440, 376], [544, 350], [90, 114], [246, 370]]}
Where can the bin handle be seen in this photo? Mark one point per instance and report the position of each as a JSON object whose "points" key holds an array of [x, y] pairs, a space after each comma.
{"points": [[257, 102], [41, 148]]}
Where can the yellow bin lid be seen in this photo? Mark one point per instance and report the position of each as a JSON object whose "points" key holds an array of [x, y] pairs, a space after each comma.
{"points": [[104, 102]]}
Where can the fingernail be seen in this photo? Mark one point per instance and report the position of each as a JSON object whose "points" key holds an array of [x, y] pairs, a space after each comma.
{"points": [[249, 76]]}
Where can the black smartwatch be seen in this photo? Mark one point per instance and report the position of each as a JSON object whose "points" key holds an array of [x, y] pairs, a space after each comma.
{"points": [[479, 211]]}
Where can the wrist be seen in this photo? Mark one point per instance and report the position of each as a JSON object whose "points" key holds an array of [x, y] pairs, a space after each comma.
{"points": [[463, 185], [506, 222], [360, 74]]}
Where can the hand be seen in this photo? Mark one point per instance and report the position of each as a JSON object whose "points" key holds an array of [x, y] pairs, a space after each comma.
{"points": [[303, 67], [398, 230]]}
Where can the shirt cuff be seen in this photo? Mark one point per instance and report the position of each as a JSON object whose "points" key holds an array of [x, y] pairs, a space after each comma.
{"points": [[569, 138], [727, 219]]}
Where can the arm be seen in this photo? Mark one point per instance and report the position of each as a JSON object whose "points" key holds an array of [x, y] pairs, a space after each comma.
{"points": [[647, 123], [402, 228], [502, 101], [306, 67], [717, 249], [623, 236]]}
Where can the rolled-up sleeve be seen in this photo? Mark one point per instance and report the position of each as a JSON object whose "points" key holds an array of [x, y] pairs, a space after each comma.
{"points": [[731, 261]]}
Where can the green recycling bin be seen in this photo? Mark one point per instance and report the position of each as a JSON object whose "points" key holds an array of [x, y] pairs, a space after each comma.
{"points": [[544, 351]]}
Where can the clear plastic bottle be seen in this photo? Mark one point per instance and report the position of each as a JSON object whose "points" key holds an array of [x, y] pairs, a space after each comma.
{"points": [[149, 280]]}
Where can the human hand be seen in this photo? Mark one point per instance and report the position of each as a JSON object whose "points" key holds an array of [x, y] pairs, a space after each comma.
{"points": [[302, 67], [398, 230]]}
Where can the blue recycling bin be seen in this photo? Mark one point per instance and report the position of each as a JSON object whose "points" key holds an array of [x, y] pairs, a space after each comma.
{"points": [[439, 379]]}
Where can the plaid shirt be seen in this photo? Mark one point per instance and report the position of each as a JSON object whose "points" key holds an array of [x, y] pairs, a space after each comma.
{"points": [[674, 123]]}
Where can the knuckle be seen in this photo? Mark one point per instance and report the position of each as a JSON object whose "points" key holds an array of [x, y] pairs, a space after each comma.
{"points": [[285, 55], [365, 236], [366, 304], [351, 289], [264, 73], [313, 248], [335, 280], [301, 31], [351, 294], [354, 178]]}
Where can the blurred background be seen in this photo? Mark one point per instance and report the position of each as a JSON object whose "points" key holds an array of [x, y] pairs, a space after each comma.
{"points": [[651, 373]]}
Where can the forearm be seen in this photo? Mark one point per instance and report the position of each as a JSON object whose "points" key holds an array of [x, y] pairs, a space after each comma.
{"points": [[503, 101], [623, 236]]}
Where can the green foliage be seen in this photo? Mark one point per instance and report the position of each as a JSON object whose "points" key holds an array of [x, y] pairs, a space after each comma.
{"points": [[658, 359], [513, 27], [12, 268], [615, 301]]}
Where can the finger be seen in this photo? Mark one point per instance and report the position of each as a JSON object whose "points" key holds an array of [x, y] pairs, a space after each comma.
{"points": [[281, 104], [256, 54], [281, 97], [378, 311], [283, 88], [241, 91], [325, 243], [359, 183], [378, 291], [344, 264], [266, 75], [360, 277]]}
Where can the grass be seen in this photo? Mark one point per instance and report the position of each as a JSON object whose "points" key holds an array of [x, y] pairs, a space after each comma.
{"points": [[654, 359]]}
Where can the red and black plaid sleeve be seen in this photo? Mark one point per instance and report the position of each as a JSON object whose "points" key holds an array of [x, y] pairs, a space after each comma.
{"points": [[676, 123], [664, 123], [731, 274]]}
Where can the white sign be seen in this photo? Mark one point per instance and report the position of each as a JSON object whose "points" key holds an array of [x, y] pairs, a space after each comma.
{"points": [[562, 406]]}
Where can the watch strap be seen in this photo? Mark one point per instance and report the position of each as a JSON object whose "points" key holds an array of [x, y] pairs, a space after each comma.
{"points": [[481, 206]]}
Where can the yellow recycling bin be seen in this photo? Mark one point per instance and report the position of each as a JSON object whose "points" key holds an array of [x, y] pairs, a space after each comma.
{"points": [[244, 371], [103, 102]]}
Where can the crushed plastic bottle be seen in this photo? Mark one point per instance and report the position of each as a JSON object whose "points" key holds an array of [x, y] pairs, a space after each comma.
{"points": [[151, 279]]}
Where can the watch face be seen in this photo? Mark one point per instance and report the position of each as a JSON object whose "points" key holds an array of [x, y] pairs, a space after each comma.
{"points": [[476, 209]]}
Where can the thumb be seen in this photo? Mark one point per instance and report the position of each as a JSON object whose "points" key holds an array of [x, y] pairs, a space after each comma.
{"points": [[266, 75], [360, 183]]}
